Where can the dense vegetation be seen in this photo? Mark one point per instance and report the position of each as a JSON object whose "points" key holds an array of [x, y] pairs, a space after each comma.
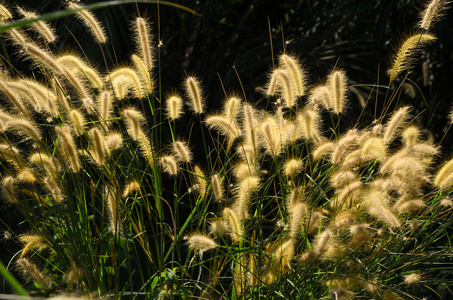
{"points": [[147, 171]]}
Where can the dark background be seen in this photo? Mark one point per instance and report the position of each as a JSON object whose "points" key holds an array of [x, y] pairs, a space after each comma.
{"points": [[359, 36]]}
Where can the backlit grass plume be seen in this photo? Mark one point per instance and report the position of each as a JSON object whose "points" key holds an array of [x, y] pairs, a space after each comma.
{"points": [[90, 21], [407, 53]]}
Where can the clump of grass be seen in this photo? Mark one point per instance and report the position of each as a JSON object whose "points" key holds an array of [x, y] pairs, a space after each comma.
{"points": [[122, 204]]}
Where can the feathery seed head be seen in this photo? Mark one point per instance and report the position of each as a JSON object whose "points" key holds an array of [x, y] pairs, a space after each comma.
{"points": [[8, 189], [98, 146], [146, 147], [292, 167], [74, 63], [78, 121], [53, 188], [90, 21], [5, 14], [411, 135], [314, 221], [142, 31], [182, 152], [124, 79], [143, 73], [375, 148], [375, 203], [25, 127], [173, 106], [271, 136], [30, 269], [194, 92], [131, 187], [169, 165], [217, 187], [68, 147], [113, 206], [19, 105], [282, 85], [243, 170], [200, 180], [298, 213], [409, 206], [282, 256], [32, 242], [41, 27], [294, 197], [232, 108], [412, 279], [105, 105], [337, 83], [43, 57], [433, 11], [309, 120], [321, 95], [234, 224], [48, 163], [323, 149], [296, 73], [249, 125], [405, 55], [224, 126], [133, 119], [342, 177], [113, 141], [200, 242], [218, 227], [322, 242], [396, 123], [26, 176]]}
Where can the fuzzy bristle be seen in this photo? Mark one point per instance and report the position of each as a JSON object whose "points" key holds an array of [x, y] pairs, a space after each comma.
{"points": [[169, 165], [194, 92], [182, 152], [131, 187], [30, 269], [143, 35], [337, 82], [200, 242], [91, 22], [406, 52]]}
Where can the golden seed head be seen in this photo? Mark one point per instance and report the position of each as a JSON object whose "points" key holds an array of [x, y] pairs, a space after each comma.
{"points": [[337, 83], [41, 27], [143, 35], [405, 55], [8, 189], [30, 269], [412, 279], [131, 187], [90, 21], [182, 152], [113, 141], [292, 166], [194, 92], [169, 165], [321, 95], [433, 11], [296, 72], [217, 187], [218, 227], [200, 242], [174, 107]]}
